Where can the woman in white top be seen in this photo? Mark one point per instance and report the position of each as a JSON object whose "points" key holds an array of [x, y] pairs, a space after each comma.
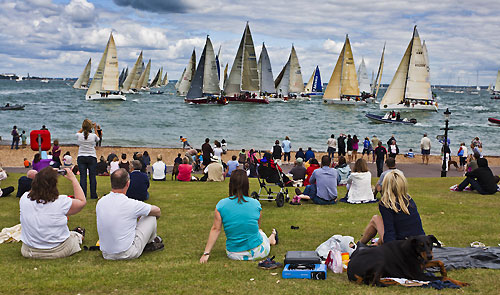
{"points": [[67, 160], [114, 165], [217, 149], [359, 184], [44, 217], [87, 158]]}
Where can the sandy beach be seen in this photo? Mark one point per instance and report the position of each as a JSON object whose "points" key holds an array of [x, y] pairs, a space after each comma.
{"points": [[15, 158]]}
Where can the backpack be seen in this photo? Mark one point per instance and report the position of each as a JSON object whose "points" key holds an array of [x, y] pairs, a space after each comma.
{"points": [[460, 152]]}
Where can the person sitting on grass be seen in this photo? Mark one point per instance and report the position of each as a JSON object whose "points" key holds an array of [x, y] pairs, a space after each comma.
{"points": [[343, 169], [44, 217], [481, 179], [124, 163], [39, 163], [232, 165], [399, 217], [241, 217], [24, 183], [126, 227], [359, 184], [313, 165], [139, 183], [185, 170], [323, 187], [102, 167], [67, 159], [214, 171], [298, 171], [4, 192], [159, 169], [391, 165]]}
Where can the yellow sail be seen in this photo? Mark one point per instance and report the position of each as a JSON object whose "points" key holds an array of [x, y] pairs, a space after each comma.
{"points": [[332, 91], [349, 80], [143, 80], [127, 84], [106, 75], [83, 80]]}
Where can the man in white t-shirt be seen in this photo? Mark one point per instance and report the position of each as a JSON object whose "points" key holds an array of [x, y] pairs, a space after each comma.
{"points": [[121, 234], [425, 145]]}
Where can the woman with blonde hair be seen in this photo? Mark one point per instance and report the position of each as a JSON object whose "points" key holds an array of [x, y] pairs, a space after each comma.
{"points": [[399, 215], [87, 158], [359, 184]]}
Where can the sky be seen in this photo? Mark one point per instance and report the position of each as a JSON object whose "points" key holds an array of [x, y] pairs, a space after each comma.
{"points": [[55, 38]]}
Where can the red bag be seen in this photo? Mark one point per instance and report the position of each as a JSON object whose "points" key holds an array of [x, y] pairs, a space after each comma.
{"points": [[45, 137]]}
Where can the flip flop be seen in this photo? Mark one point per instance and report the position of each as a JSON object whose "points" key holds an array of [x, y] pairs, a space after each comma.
{"points": [[275, 231]]}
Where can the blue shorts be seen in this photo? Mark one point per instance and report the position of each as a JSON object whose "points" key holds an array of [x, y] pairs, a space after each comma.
{"points": [[426, 152]]}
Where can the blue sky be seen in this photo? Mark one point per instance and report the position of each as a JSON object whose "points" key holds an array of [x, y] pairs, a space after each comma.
{"points": [[56, 37]]}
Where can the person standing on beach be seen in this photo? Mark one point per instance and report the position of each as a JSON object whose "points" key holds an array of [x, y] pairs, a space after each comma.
{"points": [[15, 138], [375, 142], [341, 144], [287, 147], [23, 139], [332, 146], [349, 148], [207, 152], [355, 147], [380, 153], [277, 152], [87, 158], [425, 145], [185, 143], [98, 131]]}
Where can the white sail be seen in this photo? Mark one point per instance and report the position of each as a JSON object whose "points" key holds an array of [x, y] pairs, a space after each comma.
{"points": [[143, 80], [135, 83], [396, 91], [426, 59], [210, 76], [176, 86], [296, 81], [363, 80], [106, 75], [418, 85], [165, 79], [83, 80], [243, 75], [266, 80], [187, 76], [309, 84], [497, 83], [283, 79], [378, 78], [127, 84]]}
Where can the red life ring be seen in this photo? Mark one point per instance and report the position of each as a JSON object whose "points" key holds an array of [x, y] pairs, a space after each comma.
{"points": [[45, 136]]}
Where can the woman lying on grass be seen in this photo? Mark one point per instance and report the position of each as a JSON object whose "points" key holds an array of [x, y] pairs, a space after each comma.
{"points": [[400, 218], [240, 216]]}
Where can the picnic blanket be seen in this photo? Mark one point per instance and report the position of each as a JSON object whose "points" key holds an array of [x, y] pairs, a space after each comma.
{"points": [[471, 257]]}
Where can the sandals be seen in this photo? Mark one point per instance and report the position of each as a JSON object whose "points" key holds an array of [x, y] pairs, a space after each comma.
{"points": [[275, 232]]}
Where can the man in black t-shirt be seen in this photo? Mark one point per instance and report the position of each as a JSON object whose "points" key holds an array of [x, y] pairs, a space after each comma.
{"points": [[380, 153]]}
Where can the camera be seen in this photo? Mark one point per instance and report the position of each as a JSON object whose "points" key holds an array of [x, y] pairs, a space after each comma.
{"points": [[61, 171]]}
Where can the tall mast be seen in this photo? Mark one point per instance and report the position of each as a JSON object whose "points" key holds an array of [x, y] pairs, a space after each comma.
{"points": [[409, 61]]}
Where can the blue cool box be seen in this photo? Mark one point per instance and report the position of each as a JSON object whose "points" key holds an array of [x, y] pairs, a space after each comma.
{"points": [[294, 272]]}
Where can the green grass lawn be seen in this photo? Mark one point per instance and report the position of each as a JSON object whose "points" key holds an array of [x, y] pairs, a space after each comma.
{"points": [[457, 219]]}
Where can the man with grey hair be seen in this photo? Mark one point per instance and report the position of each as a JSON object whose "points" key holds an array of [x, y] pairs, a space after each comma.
{"points": [[126, 227], [139, 183]]}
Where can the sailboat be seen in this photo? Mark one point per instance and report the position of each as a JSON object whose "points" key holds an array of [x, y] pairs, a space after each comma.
{"points": [[156, 80], [131, 78], [104, 85], [83, 80], [410, 88], [364, 81], [265, 71], [378, 78], [164, 82], [343, 86], [142, 84], [243, 81], [122, 77], [314, 87], [289, 83], [496, 89], [205, 85], [187, 76]]}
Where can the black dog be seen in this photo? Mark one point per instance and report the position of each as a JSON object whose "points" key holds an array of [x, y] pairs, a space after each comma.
{"points": [[398, 259]]}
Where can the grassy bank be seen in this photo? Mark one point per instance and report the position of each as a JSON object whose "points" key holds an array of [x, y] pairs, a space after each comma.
{"points": [[456, 219]]}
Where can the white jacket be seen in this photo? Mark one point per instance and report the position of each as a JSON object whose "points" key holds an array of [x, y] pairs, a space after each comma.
{"points": [[360, 187]]}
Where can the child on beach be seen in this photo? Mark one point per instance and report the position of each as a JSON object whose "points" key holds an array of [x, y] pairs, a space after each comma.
{"points": [[185, 142], [410, 154], [27, 163], [23, 139]]}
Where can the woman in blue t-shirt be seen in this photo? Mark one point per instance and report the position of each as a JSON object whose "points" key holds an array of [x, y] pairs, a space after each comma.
{"points": [[399, 215], [240, 216]]}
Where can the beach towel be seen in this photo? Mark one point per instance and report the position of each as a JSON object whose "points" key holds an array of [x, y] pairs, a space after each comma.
{"points": [[471, 257]]}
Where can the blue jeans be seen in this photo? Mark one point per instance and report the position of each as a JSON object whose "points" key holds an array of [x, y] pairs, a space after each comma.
{"points": [[311, 191], [90, 163], [331, 152], [16, 142]]}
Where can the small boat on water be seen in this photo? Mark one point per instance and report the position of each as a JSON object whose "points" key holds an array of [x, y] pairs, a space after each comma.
{"points": [[156, 92], [494, 121], [14, 107], [387, 118]]}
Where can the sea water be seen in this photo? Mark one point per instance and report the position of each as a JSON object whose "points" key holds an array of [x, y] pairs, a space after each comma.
{"points": [[159, 120]]}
